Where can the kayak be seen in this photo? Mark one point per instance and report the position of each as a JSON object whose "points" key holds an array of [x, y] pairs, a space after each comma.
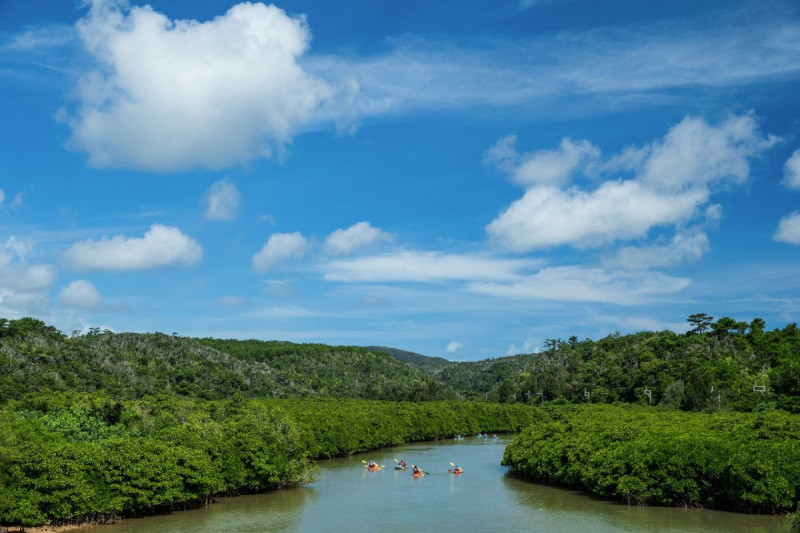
{"points": [[373, 468], [398, 467], [417, 474], [454, 471]]}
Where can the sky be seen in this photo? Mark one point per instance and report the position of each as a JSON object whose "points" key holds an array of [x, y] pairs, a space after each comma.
{"points": [[463, 179]]}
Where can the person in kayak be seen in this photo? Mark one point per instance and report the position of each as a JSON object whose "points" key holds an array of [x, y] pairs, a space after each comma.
{"points": [[416, 471], [402, 464], [372, 464]]}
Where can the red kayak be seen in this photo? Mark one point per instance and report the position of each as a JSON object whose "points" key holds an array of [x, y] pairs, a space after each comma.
{"points": [[458, 471]]}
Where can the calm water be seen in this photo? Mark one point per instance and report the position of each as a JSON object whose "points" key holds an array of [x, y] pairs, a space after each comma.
{"points": [[347, 497]]}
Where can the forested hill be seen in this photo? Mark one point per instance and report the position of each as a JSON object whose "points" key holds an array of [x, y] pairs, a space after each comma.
{"points": [[424, 362], [35, 357], [723, 364]]}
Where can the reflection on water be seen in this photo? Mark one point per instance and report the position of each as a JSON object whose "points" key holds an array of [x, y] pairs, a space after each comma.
{"points": [[605, 515], [348, 496], [253, 513]]}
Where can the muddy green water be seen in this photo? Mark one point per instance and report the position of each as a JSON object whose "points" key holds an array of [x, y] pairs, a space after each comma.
{"points": [[347, 497]]}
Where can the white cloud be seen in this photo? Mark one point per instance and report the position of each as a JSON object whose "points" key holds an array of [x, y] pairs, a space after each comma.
{"points": [[429, 267], [278, 248], [791, 171], [695, 153], [617, 210], [356, 237], [80, 294], [223, 200], [672, 183], [578, 284], [529, 346], [543, 167], [179, 94], [682, 248], [789, 229], [24, 286], [454, 346], [161, 246]]}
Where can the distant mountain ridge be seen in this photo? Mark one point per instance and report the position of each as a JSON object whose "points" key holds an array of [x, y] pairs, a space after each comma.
{"points": [[424, 362]]}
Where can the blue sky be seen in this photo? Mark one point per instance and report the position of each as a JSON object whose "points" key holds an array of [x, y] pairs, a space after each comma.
{"points": [[459, 179]]}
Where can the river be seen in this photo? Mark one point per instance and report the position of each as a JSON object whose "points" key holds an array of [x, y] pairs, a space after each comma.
{"points": [[348, 497]]}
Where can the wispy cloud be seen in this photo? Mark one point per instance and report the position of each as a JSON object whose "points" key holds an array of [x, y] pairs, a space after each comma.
{"points": [[24, 285], [606, 65], [40, 39], [579, 284], [427, 267], [684, 247], [232, 301], [222, 200]]}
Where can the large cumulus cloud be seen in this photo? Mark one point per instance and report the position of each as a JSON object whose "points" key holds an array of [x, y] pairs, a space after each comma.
{"points": [[169, 95]]}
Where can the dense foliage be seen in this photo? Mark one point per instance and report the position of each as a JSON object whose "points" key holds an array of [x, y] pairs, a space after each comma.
{"points": [[722, 365], [737, 461], [118, 424], [334, 371], [87, 457], [35, 357]]}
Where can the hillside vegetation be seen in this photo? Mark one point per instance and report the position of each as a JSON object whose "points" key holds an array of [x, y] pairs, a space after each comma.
{"points": [[35, 357], [722, 365], [718, 365]]}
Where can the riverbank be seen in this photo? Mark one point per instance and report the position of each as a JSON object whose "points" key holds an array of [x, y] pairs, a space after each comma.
{"points": [[742, 462], [42, 529], [85, 458]]}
